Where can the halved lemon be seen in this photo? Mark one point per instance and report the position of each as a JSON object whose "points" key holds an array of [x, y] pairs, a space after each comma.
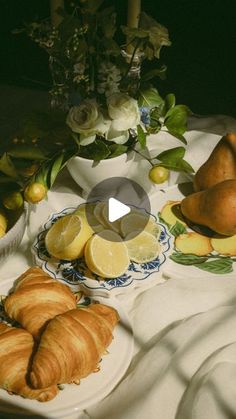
{"points": [[142, 246], [106, 255], [138, 221], [67, 237]]}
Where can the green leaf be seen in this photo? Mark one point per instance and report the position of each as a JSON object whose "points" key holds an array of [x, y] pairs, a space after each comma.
{"points": [[156, 72], [141, 136], [157, 34], [178, 229], [132, 33], [174, 154], [96, 151], [107, 22], [150, 98], [188, 259], [117, 150], [169, 103], [179, 166], [176, 119], [219, 266], [26, 152], [7, 166], [173, 159], [55, 169], [177, 135], [93, 5]]}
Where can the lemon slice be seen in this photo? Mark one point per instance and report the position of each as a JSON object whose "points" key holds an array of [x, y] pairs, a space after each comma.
{"points": [[107, 255], [98, 212], [115, 225], [67, 237], [142, 246], [138, 221], [86, 211]]}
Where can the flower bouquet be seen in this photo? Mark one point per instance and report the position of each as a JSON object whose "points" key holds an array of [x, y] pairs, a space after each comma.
{"points": [[104, 100]]}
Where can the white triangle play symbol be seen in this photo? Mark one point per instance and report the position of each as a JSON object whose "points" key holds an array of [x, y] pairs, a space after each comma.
{"points": [[116, 209]]}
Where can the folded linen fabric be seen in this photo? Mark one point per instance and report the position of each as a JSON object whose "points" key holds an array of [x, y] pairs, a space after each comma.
{"points": [[161, 372], [212, 388]]}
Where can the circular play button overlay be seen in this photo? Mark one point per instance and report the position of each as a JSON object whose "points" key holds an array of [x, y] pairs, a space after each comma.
{"points": [[120, 205]]}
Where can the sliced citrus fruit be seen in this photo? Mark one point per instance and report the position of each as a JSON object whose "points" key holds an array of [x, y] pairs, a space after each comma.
{"points": [[67, 237], [98, 212], [138, 221], [114, 225], [87, 212], [142, 246], [106, 255]]}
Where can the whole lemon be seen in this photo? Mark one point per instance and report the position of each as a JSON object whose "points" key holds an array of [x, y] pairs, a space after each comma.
{"points": [[158, 174], [13, 201], [35, 192]]}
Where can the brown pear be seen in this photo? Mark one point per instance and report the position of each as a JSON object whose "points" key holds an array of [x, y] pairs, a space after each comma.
{"points": [[214, 208], [220, 166]]}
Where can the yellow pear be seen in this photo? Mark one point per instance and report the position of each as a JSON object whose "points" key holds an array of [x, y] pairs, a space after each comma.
{"points": [[220, 166], [214, 208]]}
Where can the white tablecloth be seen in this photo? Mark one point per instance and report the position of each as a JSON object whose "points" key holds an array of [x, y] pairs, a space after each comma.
{"points": [[185, 329]]}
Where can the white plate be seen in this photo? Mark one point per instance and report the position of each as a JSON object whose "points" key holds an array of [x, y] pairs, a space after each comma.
{"points": [[171, 269], [75, 273], [93, 388]]}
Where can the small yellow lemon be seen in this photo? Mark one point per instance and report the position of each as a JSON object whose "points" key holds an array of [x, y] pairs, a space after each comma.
{"points": [[158, 174], [35, 192], [3, 222], [13, 201]]}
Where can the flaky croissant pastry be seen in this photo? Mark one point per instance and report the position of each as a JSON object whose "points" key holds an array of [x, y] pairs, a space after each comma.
{"points": [[72, 345], [38, 298], [16, 347]]}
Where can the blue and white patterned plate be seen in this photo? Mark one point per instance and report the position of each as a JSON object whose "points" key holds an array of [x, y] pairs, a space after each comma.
{"points": [[77, 275]]}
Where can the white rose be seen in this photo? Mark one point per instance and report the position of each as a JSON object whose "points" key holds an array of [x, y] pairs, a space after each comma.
{"points": [[87, 120], [119, 137], [124, 111]]}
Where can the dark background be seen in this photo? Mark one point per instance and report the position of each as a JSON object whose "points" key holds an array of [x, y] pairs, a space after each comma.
{"points": [[201, 60]]}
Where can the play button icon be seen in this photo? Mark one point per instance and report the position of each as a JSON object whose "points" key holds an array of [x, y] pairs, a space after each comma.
{"points": [[116, 209], [120, 205]]}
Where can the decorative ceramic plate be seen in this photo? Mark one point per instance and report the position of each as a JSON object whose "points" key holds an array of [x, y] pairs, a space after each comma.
{"points": [[74, 398], [200, 258], [77, 274]]}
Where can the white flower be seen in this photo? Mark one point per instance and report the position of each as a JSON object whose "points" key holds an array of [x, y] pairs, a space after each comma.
{"points": [[124, 111], [119, 137], [87, 120], [109, 77]]}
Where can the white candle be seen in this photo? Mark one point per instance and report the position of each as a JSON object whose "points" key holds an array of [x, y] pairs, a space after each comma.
{"points": [[55, 17], [134, 9]]}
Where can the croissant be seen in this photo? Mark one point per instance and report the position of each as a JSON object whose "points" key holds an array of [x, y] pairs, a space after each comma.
{"points": [[38, 298], [16, 347], [72, 344]]}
